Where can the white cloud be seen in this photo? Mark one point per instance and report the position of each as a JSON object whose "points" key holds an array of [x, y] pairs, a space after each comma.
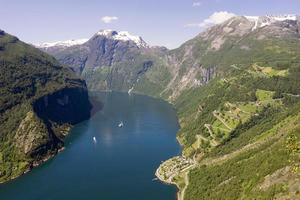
{"points": [[109, 19], [197, 4], [215, 18]]}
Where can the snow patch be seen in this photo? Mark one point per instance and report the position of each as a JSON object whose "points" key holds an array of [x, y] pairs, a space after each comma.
{"points": [[123, 36], [67, 43], [269, 19]]}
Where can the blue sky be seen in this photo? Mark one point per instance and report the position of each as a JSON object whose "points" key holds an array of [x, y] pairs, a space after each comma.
{"points": [[159, 22]]}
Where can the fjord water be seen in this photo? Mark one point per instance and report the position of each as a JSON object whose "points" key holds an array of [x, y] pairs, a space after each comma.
{"points": [[120, 165]]}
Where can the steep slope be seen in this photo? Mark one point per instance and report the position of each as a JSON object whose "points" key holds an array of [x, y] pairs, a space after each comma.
{"points": [[39, 101], [240, 131], [233, 42], [269, 51]]}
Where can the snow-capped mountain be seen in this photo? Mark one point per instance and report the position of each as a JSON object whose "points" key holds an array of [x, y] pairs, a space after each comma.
{"points": [[109, 34], [67, 43], [262, 21], [107, 48], [122, 36]]}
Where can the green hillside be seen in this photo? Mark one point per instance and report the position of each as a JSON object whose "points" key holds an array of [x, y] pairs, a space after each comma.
{"points": [[242, 129], [32, 84]]}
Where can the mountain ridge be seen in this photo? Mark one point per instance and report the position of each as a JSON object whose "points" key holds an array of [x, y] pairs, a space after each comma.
{"points": [[109, 33], [263, 20], [66, 43]]}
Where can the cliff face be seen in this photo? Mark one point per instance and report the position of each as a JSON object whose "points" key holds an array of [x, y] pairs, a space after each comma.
{"points": [[39, 101], [40, 134], [68, 105], [32, 135]]}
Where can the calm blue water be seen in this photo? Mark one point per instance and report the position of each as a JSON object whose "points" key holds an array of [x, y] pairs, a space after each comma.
{"points": [[120, 166]]}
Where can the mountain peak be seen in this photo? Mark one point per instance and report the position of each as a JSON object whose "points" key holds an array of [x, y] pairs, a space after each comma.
{"points": [[122, 36], [106, 32]]}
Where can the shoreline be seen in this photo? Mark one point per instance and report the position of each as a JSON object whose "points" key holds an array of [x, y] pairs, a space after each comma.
{"points": [[170, 184], [34, 164], [175, 167]]}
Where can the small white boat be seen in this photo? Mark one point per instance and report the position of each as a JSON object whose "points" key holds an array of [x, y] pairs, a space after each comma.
{"points": [[94, 139], [121, 125], [130, 90]]}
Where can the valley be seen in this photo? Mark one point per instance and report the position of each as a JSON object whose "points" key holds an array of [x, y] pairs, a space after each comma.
{"points": [[235, 88]]}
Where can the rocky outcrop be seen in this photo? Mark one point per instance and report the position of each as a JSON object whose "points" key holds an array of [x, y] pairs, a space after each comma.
{"points": [[31, 134]]}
